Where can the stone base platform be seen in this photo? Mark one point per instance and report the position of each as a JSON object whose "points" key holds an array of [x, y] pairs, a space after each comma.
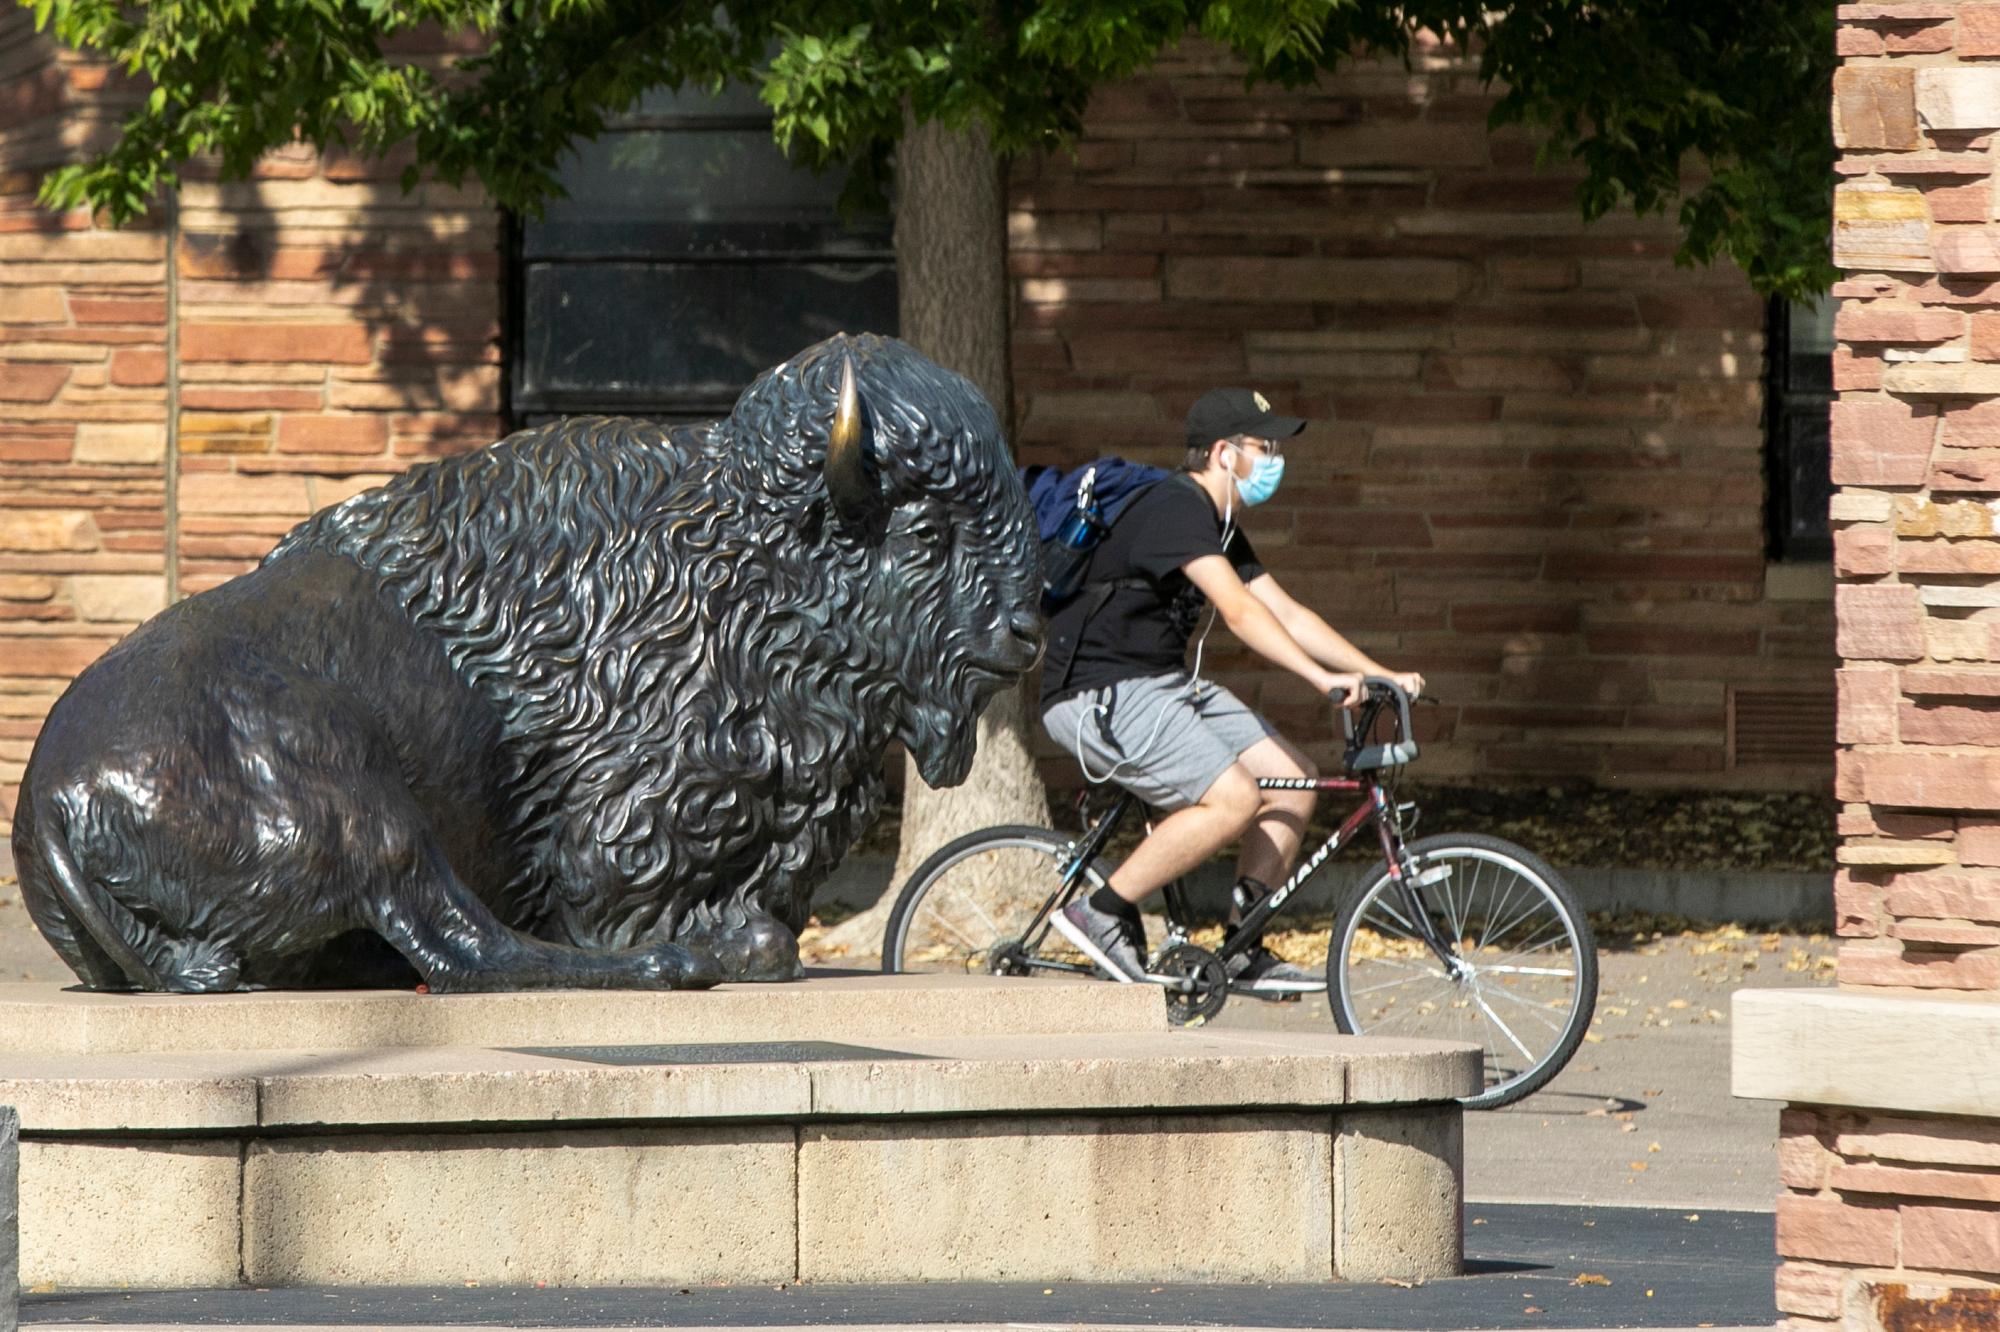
{"points": [[830, 1005], [848, 1128]]}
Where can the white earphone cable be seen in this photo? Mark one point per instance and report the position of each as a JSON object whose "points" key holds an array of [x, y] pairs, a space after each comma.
{"points": [[1191, 690]]}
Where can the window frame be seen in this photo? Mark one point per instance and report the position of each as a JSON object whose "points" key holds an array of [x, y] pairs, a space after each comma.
{"points": [[521, 407], [1787, 402]]}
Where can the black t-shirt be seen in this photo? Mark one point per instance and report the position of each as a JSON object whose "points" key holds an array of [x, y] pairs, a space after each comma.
{"points": [[1144, 630]]}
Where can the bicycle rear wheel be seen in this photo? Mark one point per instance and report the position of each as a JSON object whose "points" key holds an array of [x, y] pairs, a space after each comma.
{"points": [[1527, 984], [971, 908]]}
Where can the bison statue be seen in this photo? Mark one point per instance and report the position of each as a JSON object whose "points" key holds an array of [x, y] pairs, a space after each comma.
{"points": [[597, 705]]}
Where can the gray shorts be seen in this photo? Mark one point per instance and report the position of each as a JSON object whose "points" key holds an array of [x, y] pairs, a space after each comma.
{"points": [[1152, 738]]}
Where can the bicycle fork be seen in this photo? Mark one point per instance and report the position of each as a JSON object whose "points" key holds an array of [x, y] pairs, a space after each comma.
{"points": [[1410, 884]]}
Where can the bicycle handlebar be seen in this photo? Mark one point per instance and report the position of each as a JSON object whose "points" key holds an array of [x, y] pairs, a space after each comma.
{"points": [[1381, 690]]}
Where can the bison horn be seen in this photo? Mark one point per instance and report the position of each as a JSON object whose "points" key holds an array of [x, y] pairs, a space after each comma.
{"points": [[846, 460]]}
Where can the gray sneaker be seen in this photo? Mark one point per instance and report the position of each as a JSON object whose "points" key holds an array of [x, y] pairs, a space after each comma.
{"points": [[1105, 939], [1259, 972]]}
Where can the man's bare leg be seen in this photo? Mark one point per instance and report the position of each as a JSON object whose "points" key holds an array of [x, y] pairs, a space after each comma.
{"points": [[1272, 843], [1190, 836], [1269, 847]]}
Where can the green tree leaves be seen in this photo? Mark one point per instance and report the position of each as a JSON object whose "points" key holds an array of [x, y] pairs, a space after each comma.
{"points": [[1718, 104], [1714, 108]]}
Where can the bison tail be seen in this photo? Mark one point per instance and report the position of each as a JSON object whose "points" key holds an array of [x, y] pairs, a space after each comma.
{"points": [[90, 909]]}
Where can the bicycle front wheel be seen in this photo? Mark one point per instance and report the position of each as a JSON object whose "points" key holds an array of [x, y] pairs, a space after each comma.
{"points": [[972, 908], [1522, 981]]}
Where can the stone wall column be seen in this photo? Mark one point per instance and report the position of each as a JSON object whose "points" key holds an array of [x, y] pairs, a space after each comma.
{"points": [[1916, 463], [1888, 1170]]}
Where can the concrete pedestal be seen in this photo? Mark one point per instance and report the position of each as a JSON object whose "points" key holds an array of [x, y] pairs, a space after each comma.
{"points": [[10, 1238], [838, 1140]]}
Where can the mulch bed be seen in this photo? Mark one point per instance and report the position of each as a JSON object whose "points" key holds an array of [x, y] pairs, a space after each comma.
{"points": [[1586, 827]]}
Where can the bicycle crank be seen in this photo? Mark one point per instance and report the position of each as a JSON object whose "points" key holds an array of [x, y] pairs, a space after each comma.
{"points": [[1196, 983], [1007, 958]]}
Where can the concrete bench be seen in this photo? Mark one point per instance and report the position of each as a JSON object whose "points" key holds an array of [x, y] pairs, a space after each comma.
{"points": [[603, 1149]]}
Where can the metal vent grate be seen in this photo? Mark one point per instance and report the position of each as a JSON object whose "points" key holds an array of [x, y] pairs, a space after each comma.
{"points": [[1772, 727]]}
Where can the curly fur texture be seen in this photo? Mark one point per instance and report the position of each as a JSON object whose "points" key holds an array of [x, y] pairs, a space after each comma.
{"points": [[684, 659]]}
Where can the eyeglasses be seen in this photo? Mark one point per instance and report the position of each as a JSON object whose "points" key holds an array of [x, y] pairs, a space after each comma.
{"points": [[1272, 448]]}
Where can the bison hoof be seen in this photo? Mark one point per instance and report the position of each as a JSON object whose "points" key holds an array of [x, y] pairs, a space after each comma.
{"points": [[670, 966], [760, 949]]}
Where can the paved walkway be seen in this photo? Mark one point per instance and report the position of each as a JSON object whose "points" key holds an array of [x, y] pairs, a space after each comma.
{"points": [[1642, 1116], [1529, 1267]]}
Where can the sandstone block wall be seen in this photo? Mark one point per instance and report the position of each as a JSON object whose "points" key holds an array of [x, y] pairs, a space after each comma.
{"points": [[83, 439], [1884, 1211], [328, 331], [1879, 1206], [1916, 440], [332, 331], [1536, 472]]}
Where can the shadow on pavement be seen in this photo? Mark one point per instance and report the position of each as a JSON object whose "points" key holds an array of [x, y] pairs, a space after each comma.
{"points": [[1572, 1103]]}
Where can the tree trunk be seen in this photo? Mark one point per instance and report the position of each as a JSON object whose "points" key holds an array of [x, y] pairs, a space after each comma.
{"points": [[951, 271]]}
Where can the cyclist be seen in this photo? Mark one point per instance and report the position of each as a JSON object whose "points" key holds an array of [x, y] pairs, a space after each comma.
{"points": [[1117, 691]]}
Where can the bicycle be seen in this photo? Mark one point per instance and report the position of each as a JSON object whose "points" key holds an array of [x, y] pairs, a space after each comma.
{"points": [[1459, 936]]}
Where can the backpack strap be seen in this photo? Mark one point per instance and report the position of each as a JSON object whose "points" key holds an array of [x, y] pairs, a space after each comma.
{"points": [[1061, 655]]}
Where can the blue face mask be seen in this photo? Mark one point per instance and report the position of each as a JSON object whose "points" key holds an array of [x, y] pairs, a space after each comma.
{"points": [[1262, 483]]}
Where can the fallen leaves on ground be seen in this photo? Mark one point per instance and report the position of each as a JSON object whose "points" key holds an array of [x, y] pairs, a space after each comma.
{"points": [[1700, 958], [1723, 950], [829, 915], [1597, 827], [1572, 824], [1590, 1279]]}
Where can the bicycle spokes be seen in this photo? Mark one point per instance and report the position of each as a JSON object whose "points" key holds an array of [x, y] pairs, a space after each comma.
{"points": [[979, 915], [1476, 947]]}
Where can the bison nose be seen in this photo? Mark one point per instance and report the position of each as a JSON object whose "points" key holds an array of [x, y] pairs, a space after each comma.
{"points": [[1026, 625]]}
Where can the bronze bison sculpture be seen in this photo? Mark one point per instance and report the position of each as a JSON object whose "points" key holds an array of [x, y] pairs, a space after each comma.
{"points": [[597, 705]]}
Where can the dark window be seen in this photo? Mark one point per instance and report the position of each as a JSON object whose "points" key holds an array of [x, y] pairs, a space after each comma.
{"points": [[1797, 457], [690, 255]]}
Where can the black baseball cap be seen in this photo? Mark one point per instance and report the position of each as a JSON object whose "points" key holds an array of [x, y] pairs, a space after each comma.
{"points": [[1220, 413]]}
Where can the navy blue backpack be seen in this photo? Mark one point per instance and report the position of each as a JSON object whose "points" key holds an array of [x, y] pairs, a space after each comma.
{"points": [[1074, 510]]}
